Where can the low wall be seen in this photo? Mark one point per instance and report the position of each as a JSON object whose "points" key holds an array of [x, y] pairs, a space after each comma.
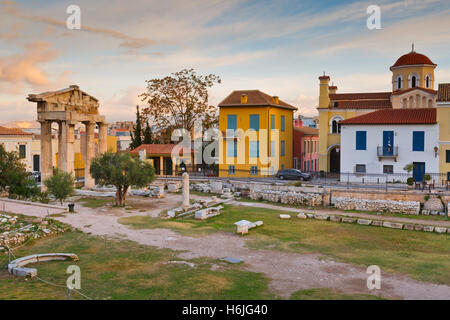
{"points": [[389, 195], [405, 207]]}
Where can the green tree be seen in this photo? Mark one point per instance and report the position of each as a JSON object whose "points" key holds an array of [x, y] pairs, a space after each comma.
{"points": [[136, 136], [148, 134], [61, 185], [11, 168], [122, 171], [22, 185]]}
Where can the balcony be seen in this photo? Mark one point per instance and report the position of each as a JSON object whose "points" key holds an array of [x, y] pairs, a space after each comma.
{"points": [[387, 152]]}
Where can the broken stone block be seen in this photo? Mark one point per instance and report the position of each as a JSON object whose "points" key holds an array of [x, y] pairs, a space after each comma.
{"points": [[285, 216], [377, 223], [418, 227], [335, 218], [408, 227], [172, 188], [321, 217], [428, 228], [301, 216], [348, 220], [392, 225], [310, 215], [440, 230], [364, 222]]}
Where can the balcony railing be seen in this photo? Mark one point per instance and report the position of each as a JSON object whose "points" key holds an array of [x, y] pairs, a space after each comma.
{"points": [[387, 152]]}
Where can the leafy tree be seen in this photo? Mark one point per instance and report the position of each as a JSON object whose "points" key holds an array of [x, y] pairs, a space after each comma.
{"points": [[10, 166], [22, 185], [136, 137], [148, 134], [122, 171], [179, 100], [61, 185]]}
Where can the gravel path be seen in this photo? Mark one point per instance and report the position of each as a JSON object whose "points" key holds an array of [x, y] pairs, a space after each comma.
{"points": [[288, 272]]}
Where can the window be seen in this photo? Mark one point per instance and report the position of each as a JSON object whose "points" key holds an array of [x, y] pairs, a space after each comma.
{"points": [[447, 156], [388, 169], [231, 170], [448, 176], [272, 148], [231, 148], [317, 167], [335, 127], [22, 151], [282, 167], [360, 168], [232, 122], [282, 123], [427, 81], [413, 82], [254, 122], [307, 166], [254, 149], [418, 141], [361, 140], [283, 143], [272, 122], [399, 82], [254, 170]]}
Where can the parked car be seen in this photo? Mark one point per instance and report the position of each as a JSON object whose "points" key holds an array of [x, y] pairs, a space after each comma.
{"points": [[292, 174]]}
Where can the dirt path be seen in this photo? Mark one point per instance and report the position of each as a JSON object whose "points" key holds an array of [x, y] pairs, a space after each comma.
{"points": [[288, 272], [442, 223]]}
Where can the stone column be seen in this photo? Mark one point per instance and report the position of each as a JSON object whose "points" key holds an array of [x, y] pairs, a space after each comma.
{"points": [[66, 141], [88, 153], [70, 147], [161, 165], [46, 151], [174, 166], [102, 137], [186, 203]]}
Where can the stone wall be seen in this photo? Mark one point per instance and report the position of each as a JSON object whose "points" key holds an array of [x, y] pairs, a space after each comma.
{"points": [[291, 197], [405, 207]]}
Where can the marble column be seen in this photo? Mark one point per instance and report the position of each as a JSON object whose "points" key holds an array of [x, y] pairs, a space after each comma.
{"points": [[186, 203], [102, 137], [161, 165], [46, 151], [89, 153]]}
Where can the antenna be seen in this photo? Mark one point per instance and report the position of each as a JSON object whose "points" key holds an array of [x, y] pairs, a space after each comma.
{"points": [[412, 50]]}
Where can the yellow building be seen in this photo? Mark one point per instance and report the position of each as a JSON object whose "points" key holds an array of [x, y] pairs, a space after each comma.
{"points": [[257, 136], [443, 116], [412, 87]]}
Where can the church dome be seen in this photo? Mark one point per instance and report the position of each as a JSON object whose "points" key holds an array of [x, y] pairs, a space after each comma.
{"points": [[412, 58]]}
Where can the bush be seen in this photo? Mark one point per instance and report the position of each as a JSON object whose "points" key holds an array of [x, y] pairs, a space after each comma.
{"points": [[410, 181], [427, 177], [60, 185], [22, 185]]}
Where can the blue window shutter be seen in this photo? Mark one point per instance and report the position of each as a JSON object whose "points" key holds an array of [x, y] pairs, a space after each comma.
{"points": [[282, 147], [272, 148], [361, 140], [254, 122], [272, 121], [232, 121], [282, 123], [418, 141]]}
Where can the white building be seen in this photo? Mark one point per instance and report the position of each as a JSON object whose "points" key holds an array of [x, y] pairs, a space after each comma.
{"points": [[377, 146]]}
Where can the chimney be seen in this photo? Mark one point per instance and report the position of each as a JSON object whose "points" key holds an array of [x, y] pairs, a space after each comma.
{"points": [[324, 98], [275, 99], [332, 89], [244, 99]]}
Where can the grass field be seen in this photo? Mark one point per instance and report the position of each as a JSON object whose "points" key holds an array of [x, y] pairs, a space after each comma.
{"points": [[421, 255], [127, 270]]}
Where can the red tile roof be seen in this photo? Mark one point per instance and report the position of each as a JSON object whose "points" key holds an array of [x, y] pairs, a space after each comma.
{"points": [[254, 98], [13, 132], [364, 104], [307, 131], [412, 89], [444, 92], [361, 96], [412, 58], [158, 149], [395, 116]]}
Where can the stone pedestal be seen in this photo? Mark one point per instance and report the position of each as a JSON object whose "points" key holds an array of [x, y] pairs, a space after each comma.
{"points": [[186, 203]]}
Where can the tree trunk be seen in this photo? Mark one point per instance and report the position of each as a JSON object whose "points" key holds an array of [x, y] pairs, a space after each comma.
{"points": [[118, 196], [125, 189]]}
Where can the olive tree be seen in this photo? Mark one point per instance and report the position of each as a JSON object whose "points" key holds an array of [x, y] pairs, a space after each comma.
{"points": [[60, 185], [122, 171]]}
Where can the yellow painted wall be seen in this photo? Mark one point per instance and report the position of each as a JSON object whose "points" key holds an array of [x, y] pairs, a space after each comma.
{"points": [[443, 116], [422, 71], [243, 123]]}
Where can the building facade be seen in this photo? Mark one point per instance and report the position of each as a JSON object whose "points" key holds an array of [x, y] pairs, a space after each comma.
{"points": [[306, 149], [443, 114], [413, 84], [257, 134]]}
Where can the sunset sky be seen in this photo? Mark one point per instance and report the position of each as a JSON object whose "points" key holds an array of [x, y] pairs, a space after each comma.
{"points": [[279, 47]]}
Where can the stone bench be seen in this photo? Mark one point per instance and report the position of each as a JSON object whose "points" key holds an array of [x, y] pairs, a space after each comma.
{"points": [[17, 267]]}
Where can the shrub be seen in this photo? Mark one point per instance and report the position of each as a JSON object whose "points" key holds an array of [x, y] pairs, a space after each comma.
{"points": [[60, 185], [410, 181]]}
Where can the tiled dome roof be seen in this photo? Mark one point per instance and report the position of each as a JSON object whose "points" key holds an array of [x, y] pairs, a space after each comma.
{"points": [[412, 58]]}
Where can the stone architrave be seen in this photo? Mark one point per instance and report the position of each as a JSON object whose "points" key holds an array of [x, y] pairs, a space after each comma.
{"points": [[67, 107], [186, 203]]}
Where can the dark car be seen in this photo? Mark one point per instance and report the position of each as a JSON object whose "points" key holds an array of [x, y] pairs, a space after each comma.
{"points": [[292, 174]]}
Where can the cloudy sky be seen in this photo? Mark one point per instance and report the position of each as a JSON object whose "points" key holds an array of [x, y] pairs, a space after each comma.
{"points": [[279, 47]]}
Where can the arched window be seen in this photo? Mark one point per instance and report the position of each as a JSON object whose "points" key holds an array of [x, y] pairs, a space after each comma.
{"points": [[335, 126], [398, 82], [428, 81], [413, 82]]}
